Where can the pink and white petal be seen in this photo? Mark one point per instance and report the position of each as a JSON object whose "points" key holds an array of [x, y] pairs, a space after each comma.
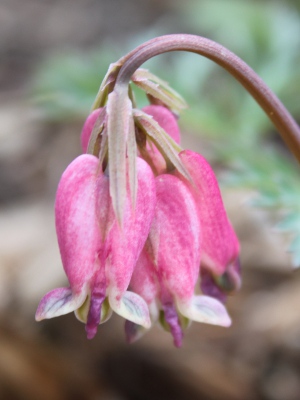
{"points": [[205, 309], [59, 302], [131, 307], [220, 245]]}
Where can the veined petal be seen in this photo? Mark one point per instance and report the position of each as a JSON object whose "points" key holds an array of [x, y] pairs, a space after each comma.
{"points": [[132, 307], [205, 309], [59, 302], [220, 245]]}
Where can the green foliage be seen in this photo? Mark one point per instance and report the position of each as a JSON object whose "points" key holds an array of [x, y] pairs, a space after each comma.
{"points": [[266, 34]]}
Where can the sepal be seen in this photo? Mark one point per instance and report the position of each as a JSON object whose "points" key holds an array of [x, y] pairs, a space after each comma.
{"points": [[164, 143], [118, 129], [159, 90], [107, 84]]}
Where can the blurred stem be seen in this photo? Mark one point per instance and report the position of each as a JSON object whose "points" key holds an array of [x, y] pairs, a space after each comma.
{"points": [[268, 101]]}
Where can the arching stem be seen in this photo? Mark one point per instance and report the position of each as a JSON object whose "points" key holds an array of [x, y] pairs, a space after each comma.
{"points": [[272, 106]]}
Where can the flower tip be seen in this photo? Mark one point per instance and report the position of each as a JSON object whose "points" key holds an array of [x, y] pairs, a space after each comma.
{"points": [[39, 315], [207, 310], [91, 331], [133, 332]]}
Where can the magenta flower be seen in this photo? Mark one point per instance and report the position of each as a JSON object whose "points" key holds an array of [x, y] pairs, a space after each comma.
{"points": [[97, 254]]}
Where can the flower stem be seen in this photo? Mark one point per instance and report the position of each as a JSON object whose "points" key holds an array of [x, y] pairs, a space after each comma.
{"points": [[275, 110]]}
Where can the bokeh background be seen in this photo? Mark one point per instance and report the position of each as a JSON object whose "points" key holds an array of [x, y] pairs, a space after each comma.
{"points": [[53, 56]]}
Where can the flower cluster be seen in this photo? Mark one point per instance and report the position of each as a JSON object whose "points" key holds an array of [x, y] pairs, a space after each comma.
{"points": [[156, 248]]}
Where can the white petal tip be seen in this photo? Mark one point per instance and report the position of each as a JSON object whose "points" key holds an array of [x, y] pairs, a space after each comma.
{"points": [[207, 310]]}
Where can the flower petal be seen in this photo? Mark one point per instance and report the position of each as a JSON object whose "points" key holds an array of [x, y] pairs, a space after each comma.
{"points": [[132, 307], [144, 280], [133, 332], [175, 237], [78, 233], [59, 302], [124, 245], [210, 287], [207, 310], [220, 245], [165, 119]]}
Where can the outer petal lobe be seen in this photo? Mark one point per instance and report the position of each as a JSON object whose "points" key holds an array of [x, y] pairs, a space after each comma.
{"points": [[124, 245], [220, 245], [77, 225]]}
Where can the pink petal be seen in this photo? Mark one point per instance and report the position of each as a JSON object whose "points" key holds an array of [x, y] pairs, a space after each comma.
{"points": [[210, 287], [168, 122], [175, 237], [220, 246], [123, 246], [87, 129], [79, 237], [144, 280]]}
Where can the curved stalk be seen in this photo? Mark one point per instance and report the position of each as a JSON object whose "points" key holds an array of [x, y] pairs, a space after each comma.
{"points": [[281, 118]]}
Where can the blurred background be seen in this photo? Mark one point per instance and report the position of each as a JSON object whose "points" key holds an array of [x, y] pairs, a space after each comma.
{"points": [[53, 57]]}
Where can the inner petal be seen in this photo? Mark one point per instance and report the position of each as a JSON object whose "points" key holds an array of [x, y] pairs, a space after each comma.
{"points": [[98, 295]]}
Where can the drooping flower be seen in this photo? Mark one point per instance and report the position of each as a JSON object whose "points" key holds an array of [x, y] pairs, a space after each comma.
{"points": [[97, 254], [220, 271], [172, 261], [139, 222]]}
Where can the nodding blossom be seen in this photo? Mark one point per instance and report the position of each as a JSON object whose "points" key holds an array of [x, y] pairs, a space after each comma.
{"points": [[171, 258]]}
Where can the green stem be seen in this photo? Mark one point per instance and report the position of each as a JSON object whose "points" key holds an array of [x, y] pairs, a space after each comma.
{"points": [[268, 101]]}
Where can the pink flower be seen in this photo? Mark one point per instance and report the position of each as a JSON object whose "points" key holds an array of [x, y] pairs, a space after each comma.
{"points": [[174, 233], [97, 254], [186, 231], [220, 271]]}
